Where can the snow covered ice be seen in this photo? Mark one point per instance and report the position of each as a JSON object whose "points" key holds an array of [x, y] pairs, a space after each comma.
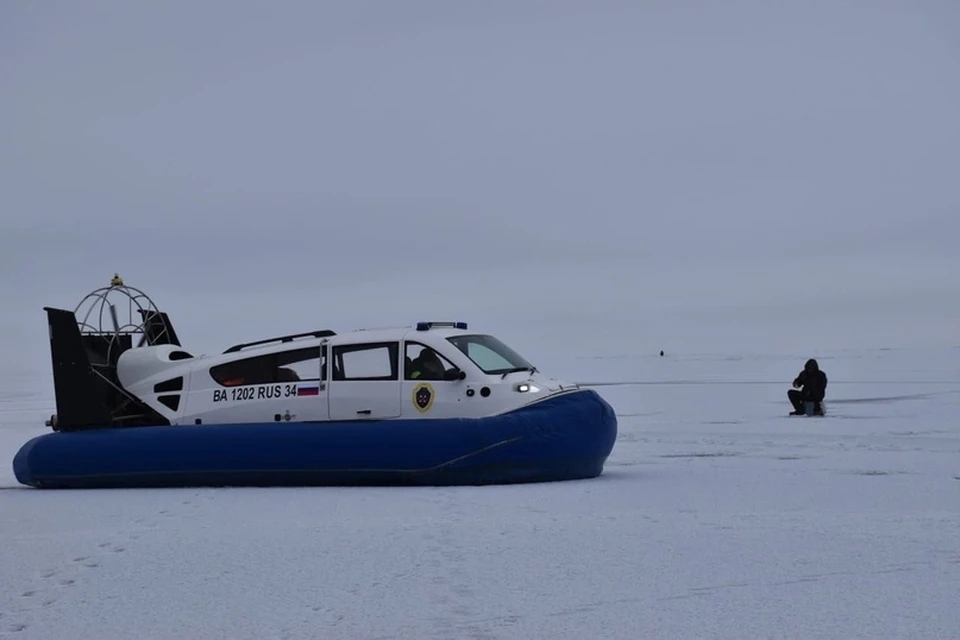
{"points": [[743, 185], [717, 516]]}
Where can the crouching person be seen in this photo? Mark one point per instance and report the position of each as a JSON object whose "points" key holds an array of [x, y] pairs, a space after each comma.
{"points": [[808, 387]]}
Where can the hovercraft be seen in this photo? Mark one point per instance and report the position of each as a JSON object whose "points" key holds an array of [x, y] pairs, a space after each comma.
{"points": [[429, 404]]}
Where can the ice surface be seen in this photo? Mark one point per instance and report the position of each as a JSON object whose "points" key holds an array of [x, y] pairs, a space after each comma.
{"points": [[717, 516], [742, 184]]}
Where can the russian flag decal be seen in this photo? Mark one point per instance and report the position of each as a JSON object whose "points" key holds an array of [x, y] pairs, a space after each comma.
{"points": [[308, 389]]}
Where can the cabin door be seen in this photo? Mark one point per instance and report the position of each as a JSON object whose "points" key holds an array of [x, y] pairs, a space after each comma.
{"points": [[302, 378], [365, 384], [428, 389]]}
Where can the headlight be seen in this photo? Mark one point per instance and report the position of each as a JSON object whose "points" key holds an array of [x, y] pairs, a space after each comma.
{"points": [[526, 387]]}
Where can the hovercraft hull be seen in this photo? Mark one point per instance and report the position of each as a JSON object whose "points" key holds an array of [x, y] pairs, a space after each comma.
{"points": [[564, 437]]}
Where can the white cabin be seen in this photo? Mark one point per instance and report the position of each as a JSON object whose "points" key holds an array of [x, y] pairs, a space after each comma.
{"points": [[432, 370]]}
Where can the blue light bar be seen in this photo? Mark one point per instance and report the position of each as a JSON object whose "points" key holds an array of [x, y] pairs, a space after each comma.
{"points": [[424, 326]]}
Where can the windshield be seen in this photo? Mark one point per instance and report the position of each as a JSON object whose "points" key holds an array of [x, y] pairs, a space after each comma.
{"points": [[491, 355]]}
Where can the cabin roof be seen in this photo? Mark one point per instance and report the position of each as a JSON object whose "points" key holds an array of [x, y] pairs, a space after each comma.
{"points": [[355, 336], [396, 333]]}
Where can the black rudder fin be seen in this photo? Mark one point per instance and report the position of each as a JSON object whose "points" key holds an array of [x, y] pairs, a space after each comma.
{"points": [[158, 328], [79, 400]]}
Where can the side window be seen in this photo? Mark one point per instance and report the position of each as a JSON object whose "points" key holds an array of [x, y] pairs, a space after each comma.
{"points": [[424, 363], [286, 366], [377, 361], [302, 365]]}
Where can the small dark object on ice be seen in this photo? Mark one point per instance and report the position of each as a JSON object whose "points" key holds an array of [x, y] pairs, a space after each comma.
{"points": [[661, 353], [809, 388]]}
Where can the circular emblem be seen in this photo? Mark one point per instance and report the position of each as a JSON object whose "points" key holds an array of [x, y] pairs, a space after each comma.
{"points": [[423, 396]]}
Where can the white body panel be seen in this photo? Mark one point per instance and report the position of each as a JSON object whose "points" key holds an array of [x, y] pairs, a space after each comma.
{"points": [[137, 367], [209, 402], [372, 375], [448, 400], [350, 400]]}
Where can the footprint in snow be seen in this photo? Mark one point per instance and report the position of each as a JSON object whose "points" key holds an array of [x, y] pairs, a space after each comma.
{"points": [[85, 561]]}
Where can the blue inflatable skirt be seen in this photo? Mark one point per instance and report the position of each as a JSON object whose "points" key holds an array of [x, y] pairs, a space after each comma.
{"points": [[564, 437]]}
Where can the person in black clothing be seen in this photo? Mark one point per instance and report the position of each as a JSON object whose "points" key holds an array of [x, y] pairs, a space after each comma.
{"points": [[427, 366], [809, 386]]}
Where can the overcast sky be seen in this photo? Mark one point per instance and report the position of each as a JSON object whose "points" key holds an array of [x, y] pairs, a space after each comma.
{"points": [[703, 172]]}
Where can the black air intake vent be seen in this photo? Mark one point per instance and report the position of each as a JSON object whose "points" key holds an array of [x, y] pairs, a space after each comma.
{"points": [[175, 384], [171, 402]]}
